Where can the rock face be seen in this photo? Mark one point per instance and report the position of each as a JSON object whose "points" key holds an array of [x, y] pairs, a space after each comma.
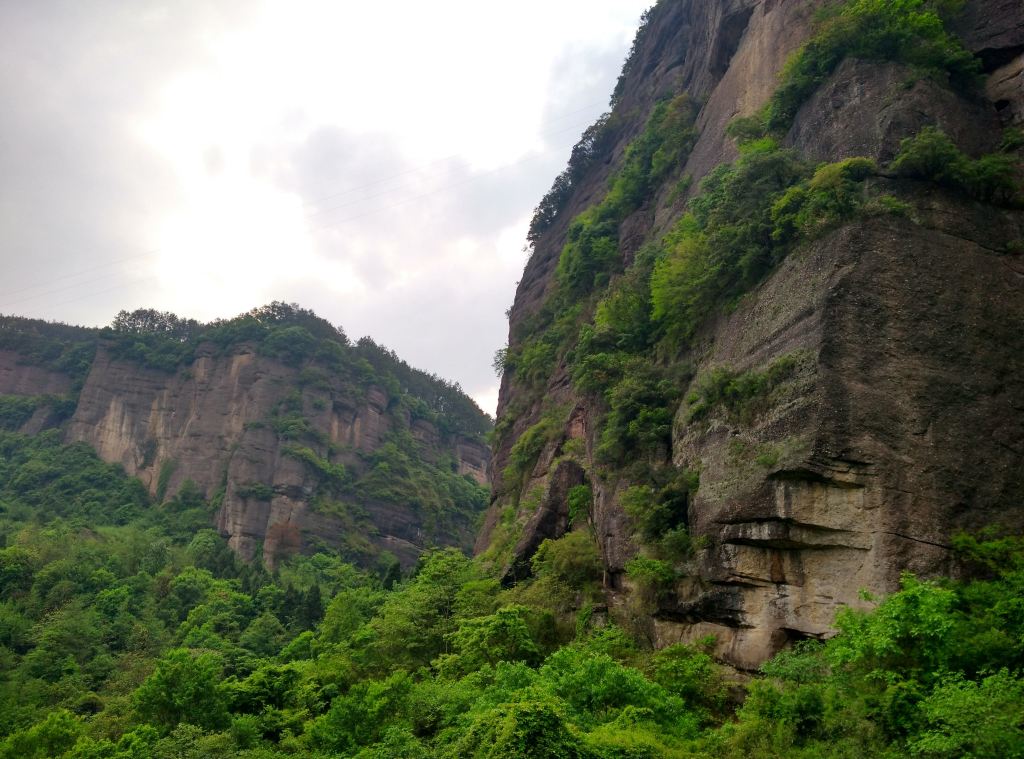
{"points": [[903, 420], [19, 378], [218, 423]]}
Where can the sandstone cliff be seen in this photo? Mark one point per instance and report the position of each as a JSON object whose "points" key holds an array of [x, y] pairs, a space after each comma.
{"points": [[294, 452], [898, 420]]}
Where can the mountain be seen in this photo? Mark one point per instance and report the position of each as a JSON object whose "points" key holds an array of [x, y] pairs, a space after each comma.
{"points": [[766, 350], [299, 438], [762, 398]]}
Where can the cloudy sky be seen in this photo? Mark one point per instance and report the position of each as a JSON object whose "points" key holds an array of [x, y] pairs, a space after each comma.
{"points": [[376, 162]]}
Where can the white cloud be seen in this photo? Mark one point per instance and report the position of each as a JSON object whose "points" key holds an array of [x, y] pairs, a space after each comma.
{"points": [[376, 162]]}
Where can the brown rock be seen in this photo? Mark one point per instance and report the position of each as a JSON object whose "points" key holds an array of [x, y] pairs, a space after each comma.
{"points": [[902, 420]]}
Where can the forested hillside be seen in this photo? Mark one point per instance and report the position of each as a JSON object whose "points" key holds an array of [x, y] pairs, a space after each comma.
{"points": [[298, 437]]}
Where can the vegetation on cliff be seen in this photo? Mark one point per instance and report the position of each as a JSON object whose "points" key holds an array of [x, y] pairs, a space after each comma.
{"points": [[127, 630], [625, 325]]}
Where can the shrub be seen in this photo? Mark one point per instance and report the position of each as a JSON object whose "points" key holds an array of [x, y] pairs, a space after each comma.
{"points": [[334, 476], [908, 31], [724, 245], [977, 719], [255, 491], [741, 394], [579, 501], [572, 558], [597, 139], [527, 448], [185, 687], [641, 407], [654, 578], [15, 410], [931, 155], [691, 674], [835, 192], [591, 251], [501, 636]]}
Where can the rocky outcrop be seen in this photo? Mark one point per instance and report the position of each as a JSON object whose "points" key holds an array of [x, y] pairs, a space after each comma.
{"points": [[901, 426], [901, 421], [213, 423], [283, 450]]}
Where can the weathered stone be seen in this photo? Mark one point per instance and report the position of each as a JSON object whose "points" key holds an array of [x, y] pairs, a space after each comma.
{"points": [[209, 424], [903, 418]]}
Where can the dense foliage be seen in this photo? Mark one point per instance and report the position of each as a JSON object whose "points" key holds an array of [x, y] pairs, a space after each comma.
{"points": [[55, 346], [128, 633]]}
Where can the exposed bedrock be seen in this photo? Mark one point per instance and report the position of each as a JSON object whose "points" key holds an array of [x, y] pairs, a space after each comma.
{"points": [[211, 423], [903, 419]]}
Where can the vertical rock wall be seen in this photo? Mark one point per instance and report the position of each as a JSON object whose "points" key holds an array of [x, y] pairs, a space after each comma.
{"points": [[902, 421]]}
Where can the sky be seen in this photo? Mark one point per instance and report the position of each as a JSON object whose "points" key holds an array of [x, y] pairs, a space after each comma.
{"points": [[376, 162]]}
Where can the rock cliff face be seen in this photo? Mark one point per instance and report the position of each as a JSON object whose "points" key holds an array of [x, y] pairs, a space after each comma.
{"points": [[294, 456], [901, 421]]}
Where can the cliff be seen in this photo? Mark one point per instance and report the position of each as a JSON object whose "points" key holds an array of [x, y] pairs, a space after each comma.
{"points": [[298, 443], [794, 376]]}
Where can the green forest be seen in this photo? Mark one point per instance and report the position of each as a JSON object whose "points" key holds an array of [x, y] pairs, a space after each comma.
{"points": [[129, 630]]}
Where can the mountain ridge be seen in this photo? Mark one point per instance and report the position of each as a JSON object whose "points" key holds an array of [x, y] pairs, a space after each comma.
{"points": [[274, 415]]}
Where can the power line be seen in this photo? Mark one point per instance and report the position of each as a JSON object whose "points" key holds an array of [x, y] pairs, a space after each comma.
{"points": [[103, 292], [51, 280]]}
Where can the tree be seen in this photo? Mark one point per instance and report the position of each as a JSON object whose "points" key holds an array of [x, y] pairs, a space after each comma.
{"points": [[502, 636], [185, 688]]}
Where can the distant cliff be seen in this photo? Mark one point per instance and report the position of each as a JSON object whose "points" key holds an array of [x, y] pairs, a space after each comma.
{"points": [[298, 438], [767, 349]]}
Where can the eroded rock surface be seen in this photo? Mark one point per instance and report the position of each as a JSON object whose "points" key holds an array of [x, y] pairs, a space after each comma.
{"points": [[212, 423], [903, 420]]}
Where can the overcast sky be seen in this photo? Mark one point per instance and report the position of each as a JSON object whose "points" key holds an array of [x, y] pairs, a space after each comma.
{"points": [[376, 162]]}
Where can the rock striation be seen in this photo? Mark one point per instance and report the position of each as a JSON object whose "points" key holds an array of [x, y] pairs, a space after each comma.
{"points": [[903, 419]]}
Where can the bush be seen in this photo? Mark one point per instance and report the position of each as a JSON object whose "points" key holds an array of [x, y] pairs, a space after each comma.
{"points": [[15, 410], [835, 193], [660, 516], [579, 501], [641, 407], [501, 636], [743, 394], [572, 558], [907, 31], [522, 730], [591, 251], [185, 687], [693, 675], [725, 244], [255, 491], [977, 719], [654, 578], [932, 156], [527, 448], [597, 139]]}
